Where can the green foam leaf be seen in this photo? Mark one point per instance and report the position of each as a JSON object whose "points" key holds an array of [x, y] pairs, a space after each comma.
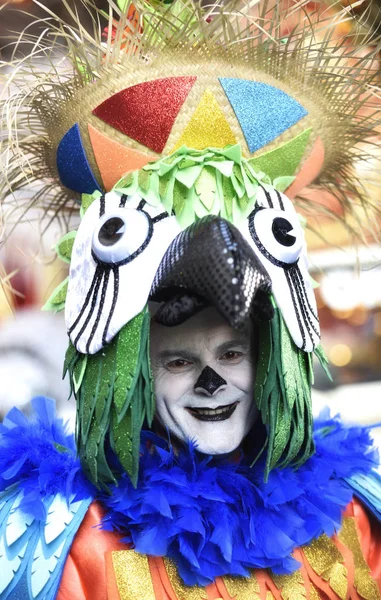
{"points": [[282, 183], [87, 200], [56, 301], [323, 360], [64, 246], [282, 393], [114, 394]]}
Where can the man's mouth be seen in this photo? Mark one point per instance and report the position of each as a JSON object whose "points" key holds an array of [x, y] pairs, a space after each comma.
{"points": [[221, 413]]}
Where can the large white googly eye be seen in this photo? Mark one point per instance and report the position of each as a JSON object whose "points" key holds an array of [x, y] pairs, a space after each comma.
{"points": [[274, 232], [117, 250], [277, 234], [121, 235]]}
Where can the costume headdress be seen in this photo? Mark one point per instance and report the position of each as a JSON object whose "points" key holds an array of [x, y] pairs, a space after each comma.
{"points": [[186, 130]]}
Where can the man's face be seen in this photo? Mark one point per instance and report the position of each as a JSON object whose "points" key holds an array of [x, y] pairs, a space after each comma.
{"points": [[204, 380]]}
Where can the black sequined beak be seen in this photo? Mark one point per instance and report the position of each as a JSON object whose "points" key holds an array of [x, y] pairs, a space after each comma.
{"points": [[210, 263]]}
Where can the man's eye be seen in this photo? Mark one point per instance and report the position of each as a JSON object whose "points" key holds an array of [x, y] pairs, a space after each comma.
{"points": [[179, 364], [232, 356]]}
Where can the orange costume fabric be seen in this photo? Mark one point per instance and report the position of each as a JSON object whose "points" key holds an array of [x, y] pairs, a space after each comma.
{"points": [[348, 567]]}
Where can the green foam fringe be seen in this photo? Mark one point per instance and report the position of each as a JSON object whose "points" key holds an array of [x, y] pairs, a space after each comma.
{"points": [[114, 394], [283, 396], [195, 183], [323, 360]]}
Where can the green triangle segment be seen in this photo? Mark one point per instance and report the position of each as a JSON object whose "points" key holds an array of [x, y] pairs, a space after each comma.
{"points": [[283, 161]]}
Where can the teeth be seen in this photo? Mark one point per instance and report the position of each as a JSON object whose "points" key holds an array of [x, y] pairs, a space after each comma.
{"points": [[213, 411]]}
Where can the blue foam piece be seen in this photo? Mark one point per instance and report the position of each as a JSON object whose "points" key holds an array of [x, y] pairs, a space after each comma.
{"points": [[263, 111], [368, 489], [72, 164]]}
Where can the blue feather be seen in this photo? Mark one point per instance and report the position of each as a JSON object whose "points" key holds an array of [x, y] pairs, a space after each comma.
{"points": [[212, 517], [221, 518], [39, 515]]}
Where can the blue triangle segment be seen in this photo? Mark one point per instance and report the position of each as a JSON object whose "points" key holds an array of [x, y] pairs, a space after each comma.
{"points": [[263, 111], [72, 164]]}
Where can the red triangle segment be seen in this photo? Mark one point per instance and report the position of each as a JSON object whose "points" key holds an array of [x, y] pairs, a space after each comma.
{"points": [[146, 111]]}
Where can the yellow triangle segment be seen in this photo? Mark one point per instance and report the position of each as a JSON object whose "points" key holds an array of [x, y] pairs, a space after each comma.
{"points": [[113, 159], [208, 127]]}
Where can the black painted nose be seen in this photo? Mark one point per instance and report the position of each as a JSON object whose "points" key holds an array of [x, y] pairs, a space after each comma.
{"points": [[209, 382]]}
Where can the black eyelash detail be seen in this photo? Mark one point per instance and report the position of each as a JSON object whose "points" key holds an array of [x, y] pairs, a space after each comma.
{"points": [[114, 300], [306, 317], [301, 281], [100, 309], [160, 217], [93, 303], [281, 205], [141, 204], [123, 201], [268, 197], [292, 291], [97, 275], [102, 206]]}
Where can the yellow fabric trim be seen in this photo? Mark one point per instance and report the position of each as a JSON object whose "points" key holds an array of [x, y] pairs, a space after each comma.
{"points": [[364, 584], [327, 561], [182, 591], [133, 576], [291, 586], [242, 588], [313, 593]]}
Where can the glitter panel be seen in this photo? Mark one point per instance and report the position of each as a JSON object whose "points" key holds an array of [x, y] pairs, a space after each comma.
{"points": [[284, 160], [146, 111], [292, 586], [365, 585], [113, 159], [208, 126], [242, 588], [327, 561], [263, 111], [72, 164], [132, 575], [182, 591]]}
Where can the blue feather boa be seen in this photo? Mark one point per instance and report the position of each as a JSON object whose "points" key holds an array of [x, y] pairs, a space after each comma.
{"points": [[213, 518], [41, 457]]}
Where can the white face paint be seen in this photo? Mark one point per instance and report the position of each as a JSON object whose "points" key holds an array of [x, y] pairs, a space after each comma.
{"points": [[216, 417]]}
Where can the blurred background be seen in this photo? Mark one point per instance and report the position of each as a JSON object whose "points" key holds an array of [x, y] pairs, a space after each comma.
{"points": [[347, 276]]}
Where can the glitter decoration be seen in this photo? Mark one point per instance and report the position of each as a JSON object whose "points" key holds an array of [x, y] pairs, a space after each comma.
{"points": [[364, 584], [133, 576], [181, 590], [113, 159], [208, 126], [313, 592], [284, 160], [146, 111], [263, 111], [327, 561], [72, 164], [292, 586], [242, 587]]}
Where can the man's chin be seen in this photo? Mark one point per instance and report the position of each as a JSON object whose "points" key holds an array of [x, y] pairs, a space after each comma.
{"points": [[217, 448]]}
